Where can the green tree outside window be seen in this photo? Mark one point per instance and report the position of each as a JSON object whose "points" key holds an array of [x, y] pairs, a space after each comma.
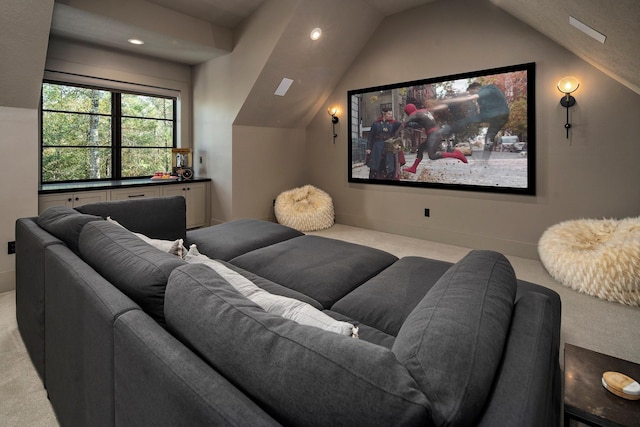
{"points": [[92, 134]]}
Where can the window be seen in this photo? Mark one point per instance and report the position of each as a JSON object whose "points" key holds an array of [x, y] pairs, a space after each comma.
{"points": [[89, 133]]}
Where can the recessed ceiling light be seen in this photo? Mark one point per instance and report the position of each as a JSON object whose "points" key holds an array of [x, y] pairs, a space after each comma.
{"points": [[315, 34], [135, 41]]}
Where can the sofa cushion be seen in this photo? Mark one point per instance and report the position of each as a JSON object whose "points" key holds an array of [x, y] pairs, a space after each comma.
{"points": [[385, 301], [289, 308], [325, 269], [234, 238], [453, 341], [299, 374], [65, 224], [136, 268], [273, 287], [156, 217]]}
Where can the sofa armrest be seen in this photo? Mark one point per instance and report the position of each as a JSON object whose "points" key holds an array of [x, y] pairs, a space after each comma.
{"points": [[527, 389], [158, 381], [81, 307], [31, 242]]}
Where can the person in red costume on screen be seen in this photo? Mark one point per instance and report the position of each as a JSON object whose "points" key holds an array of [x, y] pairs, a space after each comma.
{"points": [[423, 119]]}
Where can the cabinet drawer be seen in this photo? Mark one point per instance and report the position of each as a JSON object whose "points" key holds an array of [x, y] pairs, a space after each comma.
{"points": [[135, 193]]}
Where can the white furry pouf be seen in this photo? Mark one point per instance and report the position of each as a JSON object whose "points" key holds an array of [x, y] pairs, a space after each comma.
{"points": [[305, 209], [598, 257]]}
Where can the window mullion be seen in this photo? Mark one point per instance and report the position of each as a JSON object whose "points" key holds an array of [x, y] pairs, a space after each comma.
{"points": [[116, 143]]}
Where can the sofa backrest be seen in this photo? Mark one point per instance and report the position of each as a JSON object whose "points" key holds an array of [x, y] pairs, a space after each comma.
{"points": [[136, 268], [65, 224], [155, 217]]}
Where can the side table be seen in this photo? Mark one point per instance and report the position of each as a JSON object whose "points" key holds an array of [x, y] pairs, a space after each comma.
{"points": [[586, 400]]}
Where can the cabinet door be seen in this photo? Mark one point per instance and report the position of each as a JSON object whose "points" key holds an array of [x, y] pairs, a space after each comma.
{"points": [[196, 208], [89, 197], [174, 190], [135, 193], [61, 199], [195, 198], [71, 200]]}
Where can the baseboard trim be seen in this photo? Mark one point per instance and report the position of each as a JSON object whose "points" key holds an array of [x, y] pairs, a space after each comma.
{"points": [[7, 280], [450, 237]]}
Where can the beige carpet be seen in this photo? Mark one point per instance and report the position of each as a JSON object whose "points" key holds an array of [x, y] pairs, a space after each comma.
{"points": [[603, 326], [23, 399]]}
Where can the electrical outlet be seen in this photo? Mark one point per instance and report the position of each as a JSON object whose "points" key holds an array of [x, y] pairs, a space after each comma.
{"points": [[11, 248], [426, 212]]}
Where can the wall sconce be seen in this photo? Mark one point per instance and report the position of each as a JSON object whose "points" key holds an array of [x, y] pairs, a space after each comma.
{"points": [[334, 120], [568, 85]]}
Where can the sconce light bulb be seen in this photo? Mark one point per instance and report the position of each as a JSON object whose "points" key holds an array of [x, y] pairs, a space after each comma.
{"points": [[568, 84], [315, 34], [332, 112]]}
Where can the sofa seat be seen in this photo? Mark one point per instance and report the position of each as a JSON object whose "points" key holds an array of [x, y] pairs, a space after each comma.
{"points": [[365, 332], [231, 239], [324, 269], [385, 301]]}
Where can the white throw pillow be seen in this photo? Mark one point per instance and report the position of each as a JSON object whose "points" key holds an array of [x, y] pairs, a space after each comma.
{"points": [[289, 308], [174, 247]]}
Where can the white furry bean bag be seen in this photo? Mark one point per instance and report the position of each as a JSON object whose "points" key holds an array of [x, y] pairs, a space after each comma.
{"points": [[597, 257], [305, 209]]}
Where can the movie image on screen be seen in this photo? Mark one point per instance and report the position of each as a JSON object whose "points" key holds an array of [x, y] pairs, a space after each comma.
{"points": [[473, 131]]}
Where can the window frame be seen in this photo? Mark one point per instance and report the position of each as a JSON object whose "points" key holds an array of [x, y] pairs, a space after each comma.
{"points": [[116, 117]]}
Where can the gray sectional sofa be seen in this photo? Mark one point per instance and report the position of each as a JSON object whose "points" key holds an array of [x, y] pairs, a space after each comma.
{"points": [[124, 331]]}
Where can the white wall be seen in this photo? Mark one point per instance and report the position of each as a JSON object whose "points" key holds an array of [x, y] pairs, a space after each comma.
{"points": [[18, 180], [221, 87], [592, 174], [268, 162]]}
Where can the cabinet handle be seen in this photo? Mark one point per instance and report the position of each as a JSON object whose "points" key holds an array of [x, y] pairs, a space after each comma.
{"points": [[188, 188], [77, 198], [135, 195], [69, 199]]}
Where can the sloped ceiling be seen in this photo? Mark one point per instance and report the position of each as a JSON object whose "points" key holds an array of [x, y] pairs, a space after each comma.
{"points": [[24, 31], [194, 31], [618, 20], [314, 66]]}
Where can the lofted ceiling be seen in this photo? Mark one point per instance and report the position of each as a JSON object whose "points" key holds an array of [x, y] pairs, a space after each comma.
{"points": [[193, 31], [619, 56]]}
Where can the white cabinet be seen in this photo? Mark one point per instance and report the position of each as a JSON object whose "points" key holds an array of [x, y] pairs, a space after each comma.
{"points": [[195, 194], [71, 200], [136, 193]]}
